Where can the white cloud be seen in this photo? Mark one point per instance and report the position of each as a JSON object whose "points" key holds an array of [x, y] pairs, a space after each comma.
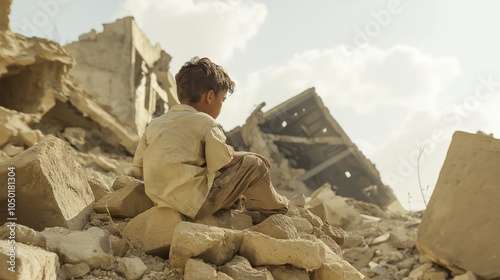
{"points": [[187, 28]]}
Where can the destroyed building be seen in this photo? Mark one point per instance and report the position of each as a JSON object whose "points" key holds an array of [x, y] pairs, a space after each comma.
{"points": [[124, 72], [302, 135]]}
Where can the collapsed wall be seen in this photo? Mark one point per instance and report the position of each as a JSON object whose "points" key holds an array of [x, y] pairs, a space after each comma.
{"points": [[34, 82], [310, 149]]}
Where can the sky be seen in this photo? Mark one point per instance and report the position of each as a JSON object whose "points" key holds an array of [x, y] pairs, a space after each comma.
{"points": [[400, 76]]}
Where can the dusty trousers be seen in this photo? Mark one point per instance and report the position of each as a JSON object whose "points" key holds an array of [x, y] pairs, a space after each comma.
{"points": [[249, 177]]}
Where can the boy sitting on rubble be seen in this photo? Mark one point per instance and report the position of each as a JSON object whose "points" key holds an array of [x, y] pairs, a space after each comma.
{"points": [[185, 161]]}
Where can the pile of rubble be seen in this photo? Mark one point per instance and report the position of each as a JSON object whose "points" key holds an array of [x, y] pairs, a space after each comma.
{"points": [[73, 209]]}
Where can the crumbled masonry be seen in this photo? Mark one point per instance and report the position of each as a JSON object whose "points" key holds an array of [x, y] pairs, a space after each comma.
{"points": [[70, 119]]}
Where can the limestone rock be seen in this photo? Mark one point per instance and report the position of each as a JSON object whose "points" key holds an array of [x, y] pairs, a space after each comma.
{"points": [[12, 150], [359, 257], [240, 268], [313, 219], [335, 267], [340, 213], [131, 268], [418, 272], [261, 249], [278, 226], [99, 189], [91, 247], [288, 273], [223, 276], [336, 233], [76, 137], [297, 201], [125, 202], [211, 244], [31, 137], [23, 234], [463, 205], [320, 211], [125, 181], [4, 15], [118, 246], [153, 230], [46, 172], [467, 276], [71, 271], [11, 124], [30, 262], [198, 270], [302, 224]]}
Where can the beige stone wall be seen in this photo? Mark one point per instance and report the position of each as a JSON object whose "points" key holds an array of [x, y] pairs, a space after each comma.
{"points": [[120, 67], [104, 68], [4, 14]]}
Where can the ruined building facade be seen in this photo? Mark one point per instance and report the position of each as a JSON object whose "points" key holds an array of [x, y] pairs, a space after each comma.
{"points": [[124, 72], [309, 149]]}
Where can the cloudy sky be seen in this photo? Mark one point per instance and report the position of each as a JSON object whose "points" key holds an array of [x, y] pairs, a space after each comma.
{"points": [[398, 75]]}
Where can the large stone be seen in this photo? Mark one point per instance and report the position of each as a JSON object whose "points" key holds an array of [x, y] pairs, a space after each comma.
{"points": [[464, 206], [198, 270], [131, 268], [51, 188], [23, 234], [211, 244], [240, 268], [29, 262], [261, 249], [91, 247], [153, 230], [129, 201], [277, 226]]}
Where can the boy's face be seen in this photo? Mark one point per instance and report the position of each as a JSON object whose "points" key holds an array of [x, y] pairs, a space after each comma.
{"points": [[215, 103]]}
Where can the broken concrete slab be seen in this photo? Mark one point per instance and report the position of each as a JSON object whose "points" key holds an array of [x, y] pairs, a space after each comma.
{"points": [[211, 244], [153, 230], [261, 249], [464, 204], [125, 202], [131, 268], [196, 269], [47, 172], [91, 246]]}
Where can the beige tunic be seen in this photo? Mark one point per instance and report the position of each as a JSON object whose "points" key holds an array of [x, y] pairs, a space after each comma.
{"points": [[180, 153]]}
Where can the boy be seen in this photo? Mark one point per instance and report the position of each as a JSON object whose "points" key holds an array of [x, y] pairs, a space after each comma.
{"points": [[185, 161]]}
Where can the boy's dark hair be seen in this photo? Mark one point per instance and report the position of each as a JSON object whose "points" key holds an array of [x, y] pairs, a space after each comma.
{"points": [[201, 75]]}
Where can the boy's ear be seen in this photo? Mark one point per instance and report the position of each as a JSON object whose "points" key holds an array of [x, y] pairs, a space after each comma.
{"points": [[210, 96]]}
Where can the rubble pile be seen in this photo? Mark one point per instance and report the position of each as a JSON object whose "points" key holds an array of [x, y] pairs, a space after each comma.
{"points": [[81, 214]]}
